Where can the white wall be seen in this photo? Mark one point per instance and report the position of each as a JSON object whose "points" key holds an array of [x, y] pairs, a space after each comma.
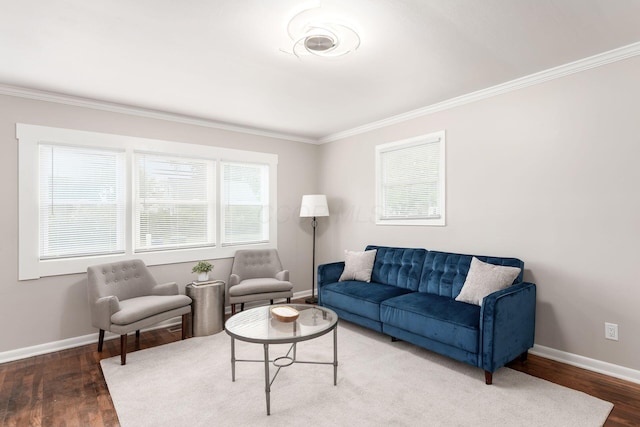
{"points": [[549, 174], [55, 308]]}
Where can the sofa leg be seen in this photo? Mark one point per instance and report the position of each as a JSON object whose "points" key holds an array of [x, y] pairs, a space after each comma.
{"points": [[138, 334], [524, 356], [271, 302], [123, 349], [100, 340], [241, 306], [184, 325], [288, 300], [488, 377], [394, 339], [233, 309]]}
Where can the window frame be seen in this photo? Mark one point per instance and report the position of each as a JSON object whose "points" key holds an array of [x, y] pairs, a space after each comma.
{"points": [[438, 137], [31, 136]]}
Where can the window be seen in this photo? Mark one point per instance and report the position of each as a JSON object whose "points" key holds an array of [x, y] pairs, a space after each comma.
{"points": [[410, 181], [81, 201], [175, 202], [245, 200], [86, 198]]}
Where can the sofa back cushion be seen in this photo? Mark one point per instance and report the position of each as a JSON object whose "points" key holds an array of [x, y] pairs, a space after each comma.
{"points": [[399, 267], [444, 273]]}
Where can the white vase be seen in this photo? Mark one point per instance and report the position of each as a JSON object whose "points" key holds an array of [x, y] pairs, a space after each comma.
{"points": [[203, 277]]}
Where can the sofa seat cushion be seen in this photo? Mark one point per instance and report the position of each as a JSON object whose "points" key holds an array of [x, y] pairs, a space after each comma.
{"points": [[436, 317], [359, 298], [135, 309], [259, 286]]}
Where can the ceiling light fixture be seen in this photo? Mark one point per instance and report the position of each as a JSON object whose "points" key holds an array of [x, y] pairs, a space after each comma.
{"points": [[315, 32]]}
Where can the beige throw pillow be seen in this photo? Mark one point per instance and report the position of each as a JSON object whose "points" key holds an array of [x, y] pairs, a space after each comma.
{"points": [[483, 279], [358, 265]]}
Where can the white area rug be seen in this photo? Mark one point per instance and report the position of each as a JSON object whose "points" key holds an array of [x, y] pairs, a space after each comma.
{"points": [[380, 383]]}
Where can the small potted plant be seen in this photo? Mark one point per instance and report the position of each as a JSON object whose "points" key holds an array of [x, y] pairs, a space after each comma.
{"points": [[202, 268]]}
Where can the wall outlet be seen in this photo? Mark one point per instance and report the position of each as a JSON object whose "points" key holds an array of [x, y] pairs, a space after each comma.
{"points": [[611, 331]]}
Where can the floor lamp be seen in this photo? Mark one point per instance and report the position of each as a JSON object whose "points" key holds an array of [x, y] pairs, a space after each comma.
{"points": [[313, 206]]}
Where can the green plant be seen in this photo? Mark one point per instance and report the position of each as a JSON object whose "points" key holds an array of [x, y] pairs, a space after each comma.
{"points": [[202, 267]]}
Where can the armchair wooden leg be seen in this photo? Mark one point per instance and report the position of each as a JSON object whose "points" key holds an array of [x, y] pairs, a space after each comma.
{"points": [[184, 325], [138, 334], [233, 309], [271, 302], [241, 306], [100, 340], [488, 377], [288, 300], [123, 349]]}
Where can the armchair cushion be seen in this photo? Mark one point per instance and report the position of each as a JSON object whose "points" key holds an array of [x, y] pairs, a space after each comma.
{"points": [[135, 309], [259, 286]]}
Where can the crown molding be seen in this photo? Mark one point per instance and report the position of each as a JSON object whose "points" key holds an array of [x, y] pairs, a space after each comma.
{"points": [[598, 60], [95, 104]]}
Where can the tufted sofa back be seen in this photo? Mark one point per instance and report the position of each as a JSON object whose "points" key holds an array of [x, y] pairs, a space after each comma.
{"points": [[399, 267], [125, 279], [256, 263], [444, 273]]}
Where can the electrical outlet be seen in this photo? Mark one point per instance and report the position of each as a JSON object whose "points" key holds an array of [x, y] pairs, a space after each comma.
{"points": [[611, 331]]}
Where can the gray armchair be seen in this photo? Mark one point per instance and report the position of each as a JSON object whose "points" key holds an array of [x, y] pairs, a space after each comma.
{"points": [[124, 297], [257, 274]]}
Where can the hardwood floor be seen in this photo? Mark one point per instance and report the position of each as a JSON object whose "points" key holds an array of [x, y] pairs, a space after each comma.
{"points": [[67, 388]]}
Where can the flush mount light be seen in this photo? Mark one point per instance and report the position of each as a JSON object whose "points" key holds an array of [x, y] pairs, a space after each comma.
{"points": [[315, 32]]}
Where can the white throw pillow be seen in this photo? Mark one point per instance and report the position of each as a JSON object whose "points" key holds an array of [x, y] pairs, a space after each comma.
{"points": [[483, 279], [358, 265]]}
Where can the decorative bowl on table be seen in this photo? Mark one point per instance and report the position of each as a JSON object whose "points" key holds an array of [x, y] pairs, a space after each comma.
{"points": [[284, 313]]}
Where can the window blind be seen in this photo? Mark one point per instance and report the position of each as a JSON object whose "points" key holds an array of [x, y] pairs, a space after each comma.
{"points": [[245, 199], [175, 202], [81, 199], [410, 181]]}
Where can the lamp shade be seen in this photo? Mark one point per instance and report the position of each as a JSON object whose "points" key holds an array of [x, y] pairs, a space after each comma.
{"points": [[314, 205]]}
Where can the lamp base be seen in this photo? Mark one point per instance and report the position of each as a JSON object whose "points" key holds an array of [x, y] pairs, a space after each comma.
{"points": [[311, 300]]}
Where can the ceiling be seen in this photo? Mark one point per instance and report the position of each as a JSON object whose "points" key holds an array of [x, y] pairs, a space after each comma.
{"points": [[225, 61]]}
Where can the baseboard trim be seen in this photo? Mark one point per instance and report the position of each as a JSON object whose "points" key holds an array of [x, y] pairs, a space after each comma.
{"points": [[587, 363], [50, 347]]}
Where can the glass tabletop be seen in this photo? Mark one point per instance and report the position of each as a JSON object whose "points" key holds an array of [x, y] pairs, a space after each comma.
{"points": [[258, 325]]}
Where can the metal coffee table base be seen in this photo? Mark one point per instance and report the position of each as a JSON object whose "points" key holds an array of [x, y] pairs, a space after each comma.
{"points": [[282, 362]]}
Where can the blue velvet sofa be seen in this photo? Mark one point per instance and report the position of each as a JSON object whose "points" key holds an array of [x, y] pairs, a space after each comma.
{"points": [[411, 297]]}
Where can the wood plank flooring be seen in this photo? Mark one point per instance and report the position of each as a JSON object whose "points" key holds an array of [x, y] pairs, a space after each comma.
{"points": [[67, 388]]}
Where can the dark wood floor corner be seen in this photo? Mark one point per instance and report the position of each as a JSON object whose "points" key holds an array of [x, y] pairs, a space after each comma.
{"points": [[624, 395]]}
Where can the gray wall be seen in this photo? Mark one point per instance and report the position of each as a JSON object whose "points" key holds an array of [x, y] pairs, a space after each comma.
{"points": [[548, 174], [55, 308]]}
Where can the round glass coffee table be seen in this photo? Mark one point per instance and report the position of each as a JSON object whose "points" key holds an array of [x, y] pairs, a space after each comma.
{"points": [[256, 325]]}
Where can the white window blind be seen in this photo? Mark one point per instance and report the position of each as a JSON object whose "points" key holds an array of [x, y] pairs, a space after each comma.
{"points": [[175, 202], [245, 199], [411, 181], [81, 201]]}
